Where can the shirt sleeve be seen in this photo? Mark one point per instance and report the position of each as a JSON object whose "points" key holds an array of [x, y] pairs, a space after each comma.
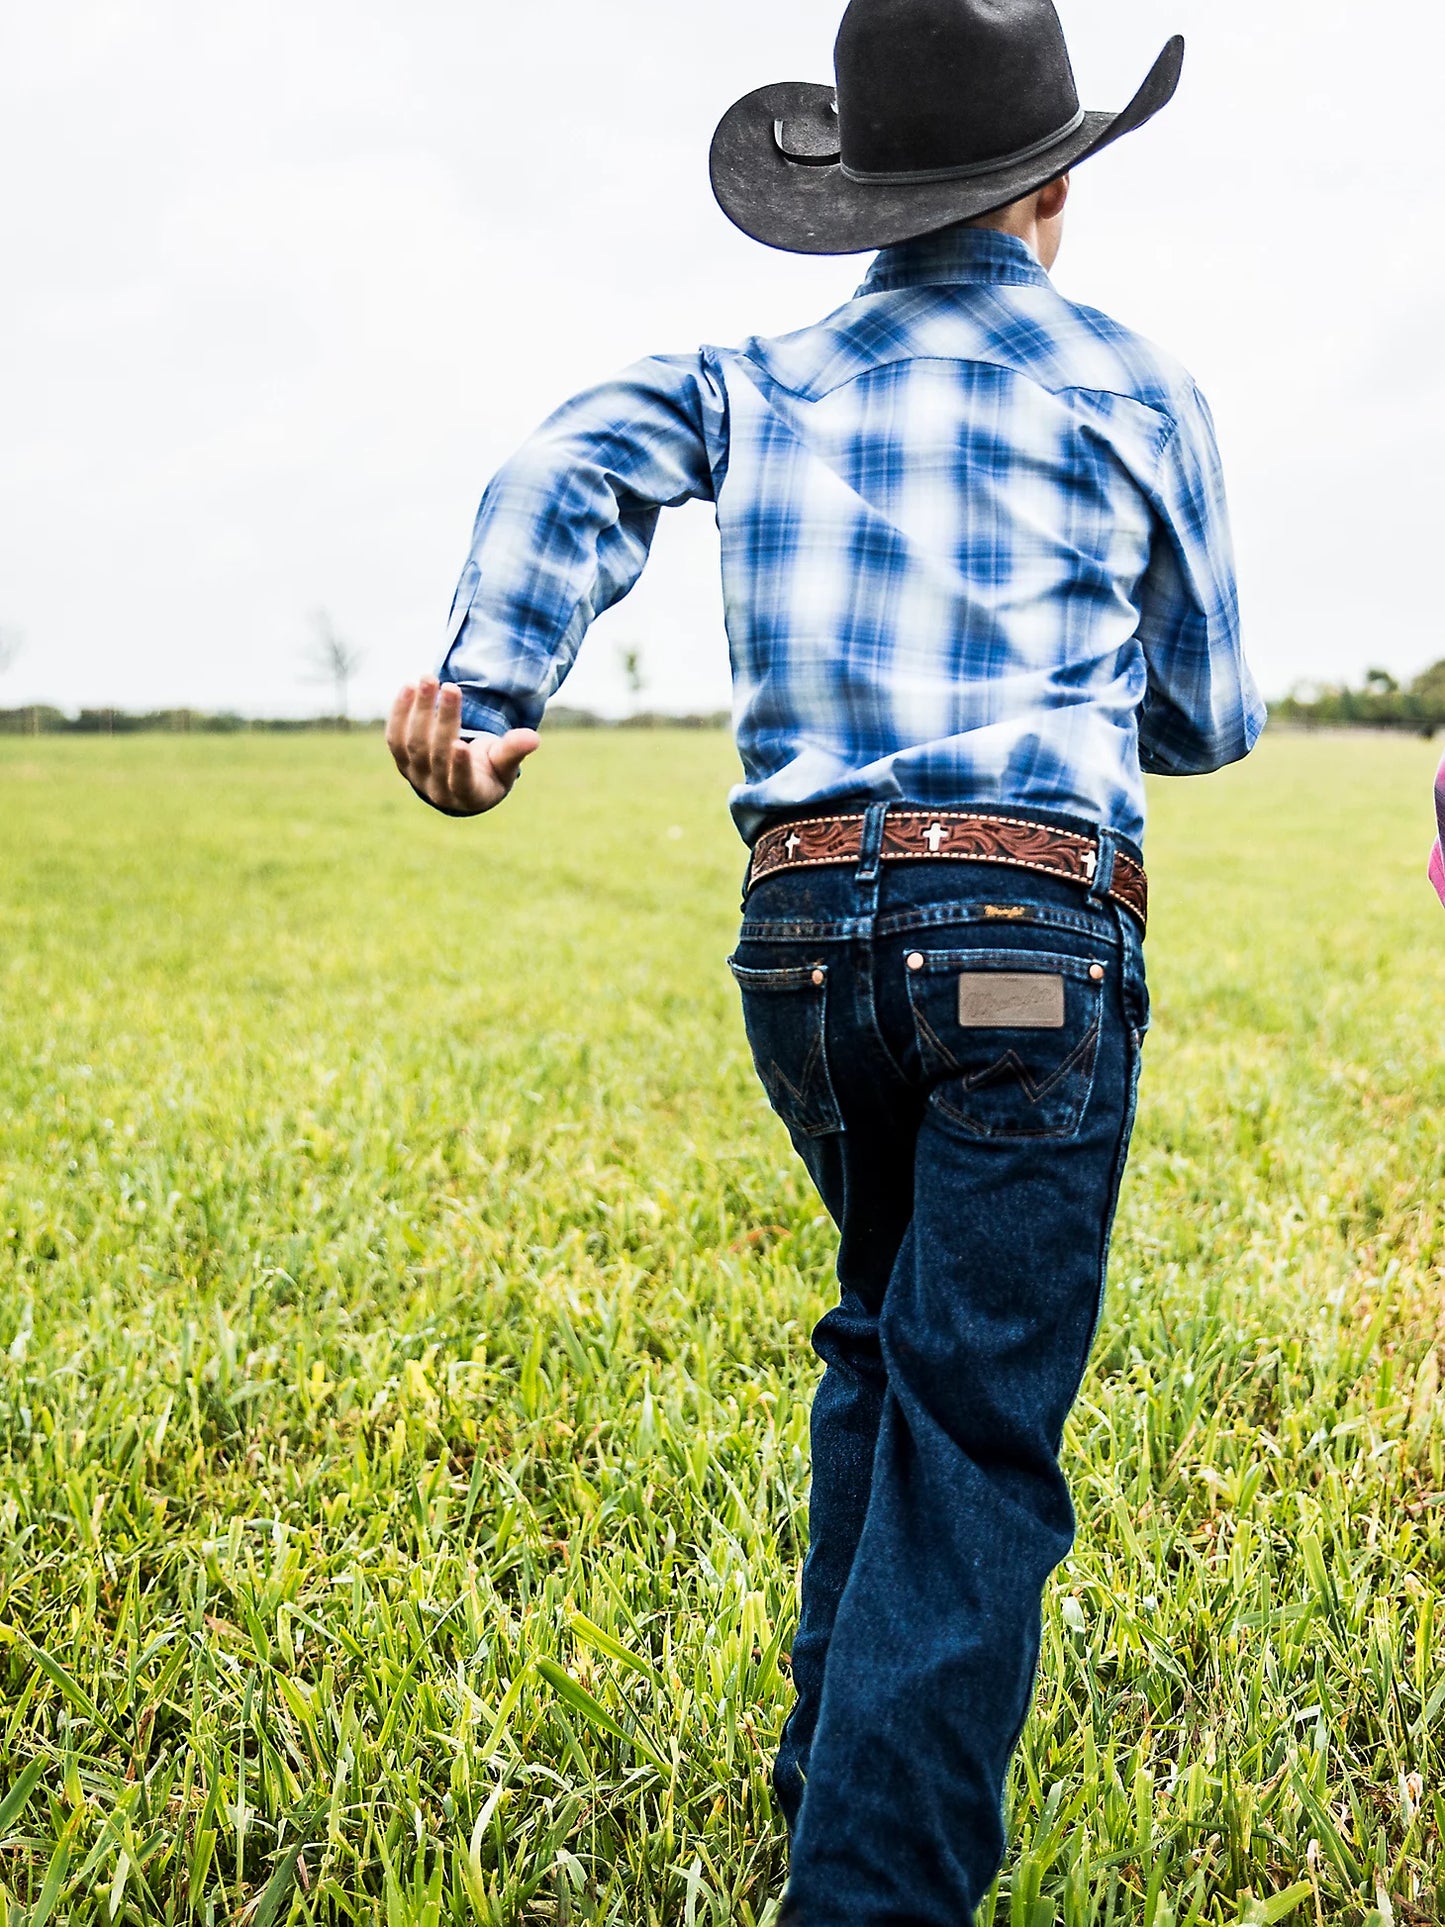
{"points": [[565, 527], [1202, 709]]}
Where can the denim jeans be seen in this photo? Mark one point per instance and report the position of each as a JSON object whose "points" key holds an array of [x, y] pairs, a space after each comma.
{"points": [[954, 1048]]}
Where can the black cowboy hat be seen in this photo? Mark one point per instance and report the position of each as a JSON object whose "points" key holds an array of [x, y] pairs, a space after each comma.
{"points": [[944, 110]]}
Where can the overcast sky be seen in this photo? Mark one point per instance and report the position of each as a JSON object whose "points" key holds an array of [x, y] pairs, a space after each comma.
{"points": [[283, 283]]}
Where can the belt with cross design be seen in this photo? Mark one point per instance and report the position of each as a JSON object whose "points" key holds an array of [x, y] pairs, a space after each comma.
{"points": [[964, 836]]}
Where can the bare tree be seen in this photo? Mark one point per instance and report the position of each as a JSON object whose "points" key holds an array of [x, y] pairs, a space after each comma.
{"points": [[333, 659]]}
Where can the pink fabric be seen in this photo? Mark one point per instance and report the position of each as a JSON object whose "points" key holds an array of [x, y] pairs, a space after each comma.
{"points": [[1437, 855]]}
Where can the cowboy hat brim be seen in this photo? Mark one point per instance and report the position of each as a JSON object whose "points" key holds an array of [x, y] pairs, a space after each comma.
{"points": [[808, 208]]}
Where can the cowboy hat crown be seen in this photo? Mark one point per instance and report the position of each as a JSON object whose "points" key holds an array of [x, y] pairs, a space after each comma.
{"points": [[943, 110], [944, 86]]}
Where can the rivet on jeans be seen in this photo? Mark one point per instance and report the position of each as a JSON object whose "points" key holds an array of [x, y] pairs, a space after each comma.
{"points": [[819, 978], [1096, 971], [915, 962]]}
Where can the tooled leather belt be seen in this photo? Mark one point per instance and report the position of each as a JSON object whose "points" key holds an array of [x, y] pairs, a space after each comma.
{"points": [[966, 836]]}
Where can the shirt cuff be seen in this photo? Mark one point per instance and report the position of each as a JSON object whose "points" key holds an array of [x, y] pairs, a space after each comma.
{"points": [[483, 718]]}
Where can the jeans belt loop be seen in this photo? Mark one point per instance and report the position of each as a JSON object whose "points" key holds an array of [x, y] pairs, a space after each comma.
{"points": [[870, 856], [1102, 880], [870, 860]]}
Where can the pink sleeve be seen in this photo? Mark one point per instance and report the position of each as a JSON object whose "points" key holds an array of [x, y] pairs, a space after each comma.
{"points": [[1437, 855]]}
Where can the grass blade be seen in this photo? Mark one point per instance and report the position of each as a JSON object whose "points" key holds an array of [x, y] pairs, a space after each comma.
{"points": [[575, 1695], [13, 1805]]}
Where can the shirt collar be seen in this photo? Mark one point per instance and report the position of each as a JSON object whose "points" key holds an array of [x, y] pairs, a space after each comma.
{"points": [[957, 255]]}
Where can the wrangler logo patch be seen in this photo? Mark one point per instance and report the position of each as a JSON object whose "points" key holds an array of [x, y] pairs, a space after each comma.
{"points": [[1010, 1000]]}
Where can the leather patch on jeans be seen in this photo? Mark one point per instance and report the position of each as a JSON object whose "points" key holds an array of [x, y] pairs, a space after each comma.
{"points": [[1010, 1000]]}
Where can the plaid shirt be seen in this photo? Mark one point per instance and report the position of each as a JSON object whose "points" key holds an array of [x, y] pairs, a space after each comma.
{"points": [[974, 547]]}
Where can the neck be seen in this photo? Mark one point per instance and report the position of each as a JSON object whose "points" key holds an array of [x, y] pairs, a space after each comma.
{"points": [[1037, 221], [1013, 220]]}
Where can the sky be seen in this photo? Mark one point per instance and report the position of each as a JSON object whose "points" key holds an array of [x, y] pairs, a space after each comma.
{"points": [[284, 284]]}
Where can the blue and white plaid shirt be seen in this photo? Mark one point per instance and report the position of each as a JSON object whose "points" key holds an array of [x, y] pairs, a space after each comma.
{"points": [[974, 547]]}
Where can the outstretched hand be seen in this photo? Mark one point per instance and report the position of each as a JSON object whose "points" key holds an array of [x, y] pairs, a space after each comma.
{"points": [[423, 735]]}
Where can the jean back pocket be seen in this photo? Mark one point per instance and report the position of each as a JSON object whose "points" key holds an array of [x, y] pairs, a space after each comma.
{"points": [[785, 1014], [1008, 1039]]}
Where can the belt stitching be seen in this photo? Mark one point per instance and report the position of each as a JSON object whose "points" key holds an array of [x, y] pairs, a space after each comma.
{"points": [[946, 816], [926, 856], [941, 816], [958, 856]]}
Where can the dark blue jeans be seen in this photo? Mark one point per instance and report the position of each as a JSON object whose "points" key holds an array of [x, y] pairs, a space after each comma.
{"points": [[954, 1048]]}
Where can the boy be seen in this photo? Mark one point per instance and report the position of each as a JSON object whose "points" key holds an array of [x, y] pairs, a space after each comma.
{"points": [[977, 573]]}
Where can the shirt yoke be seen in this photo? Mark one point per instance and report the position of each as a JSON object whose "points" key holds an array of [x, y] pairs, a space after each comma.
{"points": [[1030, 331]]}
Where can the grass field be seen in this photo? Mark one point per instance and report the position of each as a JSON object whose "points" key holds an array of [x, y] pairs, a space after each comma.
{"points": [[404, 1298]]}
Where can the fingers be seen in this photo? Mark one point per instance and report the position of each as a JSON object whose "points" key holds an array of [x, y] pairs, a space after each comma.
{"points": [[420, 735], [467, 787], [397, 722], [446, 729], [423, 735], [429, 733], [419, 731]]}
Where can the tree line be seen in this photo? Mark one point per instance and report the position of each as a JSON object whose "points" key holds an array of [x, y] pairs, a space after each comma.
{"points": [[1379, 703], [39, 719]]}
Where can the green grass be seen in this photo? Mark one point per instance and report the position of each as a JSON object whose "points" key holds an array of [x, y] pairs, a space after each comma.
{"points": [[404, 1298]]}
